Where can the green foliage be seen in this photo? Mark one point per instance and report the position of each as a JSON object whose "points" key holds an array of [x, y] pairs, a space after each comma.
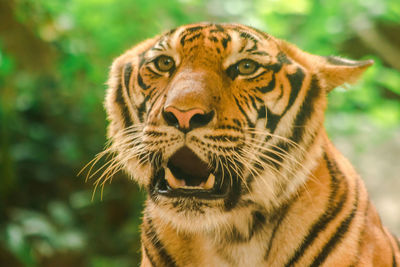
{"points": [[52, 121]]}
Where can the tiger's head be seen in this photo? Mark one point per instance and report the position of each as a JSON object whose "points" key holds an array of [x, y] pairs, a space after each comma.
{"points": [[214, 118]]}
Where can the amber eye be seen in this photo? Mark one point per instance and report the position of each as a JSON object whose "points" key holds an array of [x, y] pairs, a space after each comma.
{"points": [[164, 63], [247, 67]]}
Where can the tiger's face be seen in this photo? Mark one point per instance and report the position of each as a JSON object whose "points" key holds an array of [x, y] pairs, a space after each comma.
{"points": [[212, 118]]}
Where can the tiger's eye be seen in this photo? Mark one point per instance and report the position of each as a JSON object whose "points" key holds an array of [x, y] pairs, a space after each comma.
{"points": [[247, 67], [164, 63]]}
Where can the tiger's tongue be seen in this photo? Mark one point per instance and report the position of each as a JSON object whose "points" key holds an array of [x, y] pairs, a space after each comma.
{"points": [[186, 165]]}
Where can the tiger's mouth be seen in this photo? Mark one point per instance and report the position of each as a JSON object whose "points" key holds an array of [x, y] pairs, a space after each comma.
{"points": [[186, 175]]}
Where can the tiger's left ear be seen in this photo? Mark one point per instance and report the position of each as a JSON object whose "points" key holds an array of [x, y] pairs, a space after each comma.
{"points": [[336, 71], [333, 71]]}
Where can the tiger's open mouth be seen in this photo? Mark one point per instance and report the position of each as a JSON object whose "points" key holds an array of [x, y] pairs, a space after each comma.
{"points": [[186, 175]]}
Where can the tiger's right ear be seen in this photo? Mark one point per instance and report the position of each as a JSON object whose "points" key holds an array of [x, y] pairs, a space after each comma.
{"points": [[336, 71]]}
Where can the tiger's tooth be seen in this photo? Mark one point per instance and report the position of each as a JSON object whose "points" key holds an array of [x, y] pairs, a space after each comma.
{"points": [[210, 182], [172, 181]]}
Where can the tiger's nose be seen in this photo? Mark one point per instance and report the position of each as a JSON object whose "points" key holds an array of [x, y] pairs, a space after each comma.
{"points": [[187, 120]]}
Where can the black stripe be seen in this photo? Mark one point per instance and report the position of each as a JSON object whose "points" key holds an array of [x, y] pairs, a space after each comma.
{"points": [[259, 220], [261, 113], [306, 110], [257, 223], [253, 102], [296, 82], [120, 101], [127, 76], [213, 39], [249, 122], [281, 92], [142, 109], [282, 58], [141, 83], [339, 234], [194, 29], [189, 31], [243, 47], [193, 38], [171, 32], [153, 102], [332, 209], [394, 264], [224, 41], [272, 121], [153, 263], [246, 100], [273, 67], [253, 48], [397, 242], [362, 234], [151, 234], [182, 41], [269, 86], [247, 35], [238, 123], [280, 216]]}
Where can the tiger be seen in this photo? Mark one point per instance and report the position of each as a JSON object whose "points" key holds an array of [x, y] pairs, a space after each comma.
{"points": [[223, 127]]}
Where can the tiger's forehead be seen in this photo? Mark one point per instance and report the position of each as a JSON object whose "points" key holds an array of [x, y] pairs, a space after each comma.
{"points": [[180, 34], [234, 40]]}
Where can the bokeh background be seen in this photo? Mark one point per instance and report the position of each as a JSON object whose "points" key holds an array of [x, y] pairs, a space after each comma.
{"points": [[54, 59]]}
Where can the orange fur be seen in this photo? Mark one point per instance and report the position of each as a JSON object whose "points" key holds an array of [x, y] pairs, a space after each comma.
{"points": [[291, 199]]}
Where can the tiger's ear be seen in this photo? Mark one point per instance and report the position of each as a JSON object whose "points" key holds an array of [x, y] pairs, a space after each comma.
{"points": [[333, 71], [336, 71]]}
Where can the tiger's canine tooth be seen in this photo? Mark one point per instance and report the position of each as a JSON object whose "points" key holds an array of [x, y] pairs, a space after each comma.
{"points": [[172, 181], [210, 182]]}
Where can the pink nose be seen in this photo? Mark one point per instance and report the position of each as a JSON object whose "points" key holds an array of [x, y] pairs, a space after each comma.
{"points": [[182, 117]]}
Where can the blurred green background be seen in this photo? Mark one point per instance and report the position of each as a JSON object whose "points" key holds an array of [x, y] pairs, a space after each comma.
{"points": [[54, 59]]}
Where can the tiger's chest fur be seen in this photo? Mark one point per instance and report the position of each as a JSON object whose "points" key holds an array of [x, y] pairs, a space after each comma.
{"points": [[223, 127]]}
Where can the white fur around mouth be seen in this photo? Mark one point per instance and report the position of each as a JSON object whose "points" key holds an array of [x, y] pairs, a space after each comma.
{"points": [[178, 183]]}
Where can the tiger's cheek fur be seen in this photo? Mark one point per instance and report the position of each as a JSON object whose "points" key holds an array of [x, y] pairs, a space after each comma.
{"points": [[125, 104]]}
